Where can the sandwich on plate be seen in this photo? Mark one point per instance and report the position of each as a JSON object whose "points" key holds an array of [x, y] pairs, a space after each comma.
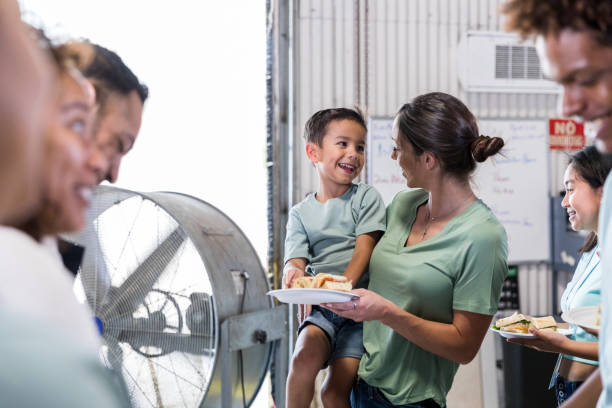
{"points": [[544, 323], [323, 281], [517, 323], [303, 282]]}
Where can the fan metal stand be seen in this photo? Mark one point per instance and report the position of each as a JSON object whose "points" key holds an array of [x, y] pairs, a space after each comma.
{"points": [[264, 326]]}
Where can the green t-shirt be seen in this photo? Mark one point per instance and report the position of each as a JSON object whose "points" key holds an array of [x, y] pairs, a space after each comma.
{"points": [[462, 268], [325, 233]]}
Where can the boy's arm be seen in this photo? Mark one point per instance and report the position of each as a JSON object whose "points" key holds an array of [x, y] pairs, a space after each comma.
{"points": [[294, 268], [364, 245], [297, 248], [369, 229]]}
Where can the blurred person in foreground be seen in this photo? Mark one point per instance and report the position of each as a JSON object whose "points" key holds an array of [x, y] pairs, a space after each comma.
{"points": [[41, 287], [47, 359], [574, 42]]}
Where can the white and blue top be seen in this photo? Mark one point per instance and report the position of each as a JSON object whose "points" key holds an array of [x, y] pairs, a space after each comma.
{"points": [[583, 290], [605, 332]]}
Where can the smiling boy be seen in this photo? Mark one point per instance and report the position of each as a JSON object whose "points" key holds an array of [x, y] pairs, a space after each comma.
{"points": [[331, 231]]}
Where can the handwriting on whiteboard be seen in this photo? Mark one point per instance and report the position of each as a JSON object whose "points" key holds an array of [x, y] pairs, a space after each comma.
{"points": [[515, 186]]}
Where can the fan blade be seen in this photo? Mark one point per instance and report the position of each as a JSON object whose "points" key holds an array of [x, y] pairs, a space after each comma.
{"points": [[94, 273], [130, 295]]}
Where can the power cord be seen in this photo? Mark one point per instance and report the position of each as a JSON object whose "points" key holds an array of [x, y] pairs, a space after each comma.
{"points": [[245, 278]]}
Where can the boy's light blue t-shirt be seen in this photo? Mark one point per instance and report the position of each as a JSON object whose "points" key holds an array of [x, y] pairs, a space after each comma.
{"points": [[325, 233]]}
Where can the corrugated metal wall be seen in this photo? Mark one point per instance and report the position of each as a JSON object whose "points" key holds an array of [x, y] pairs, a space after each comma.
{"points": [[326, 71], [380, 54]]}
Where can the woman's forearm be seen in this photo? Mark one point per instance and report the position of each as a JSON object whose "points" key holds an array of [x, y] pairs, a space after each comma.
{"points": [[458, 341], [583, 349]]}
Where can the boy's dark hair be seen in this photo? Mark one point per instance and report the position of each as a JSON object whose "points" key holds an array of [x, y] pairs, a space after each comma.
{"points": [[316, 126], [109, 73], [593, 167], [544, 17]]}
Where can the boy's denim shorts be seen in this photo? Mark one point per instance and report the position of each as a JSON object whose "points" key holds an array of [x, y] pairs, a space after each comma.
{"points": [[345, 335]]}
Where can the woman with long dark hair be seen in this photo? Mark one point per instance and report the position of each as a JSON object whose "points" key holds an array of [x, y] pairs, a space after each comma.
{"points": [[583, 181]]}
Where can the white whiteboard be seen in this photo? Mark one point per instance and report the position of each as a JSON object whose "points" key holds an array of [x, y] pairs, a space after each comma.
{"points": [[382, 171], [514, 186]]}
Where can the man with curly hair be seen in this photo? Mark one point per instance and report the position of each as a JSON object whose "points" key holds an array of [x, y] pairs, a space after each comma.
{"points": [[574, 41]]}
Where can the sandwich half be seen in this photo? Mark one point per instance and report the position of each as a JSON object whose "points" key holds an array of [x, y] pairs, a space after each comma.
{"points": [[544, 323], [332, 282], [303, 282], [323, 281], [517, 323]]}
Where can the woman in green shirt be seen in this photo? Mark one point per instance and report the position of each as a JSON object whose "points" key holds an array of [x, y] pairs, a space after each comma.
{"points": [[437, 273]]}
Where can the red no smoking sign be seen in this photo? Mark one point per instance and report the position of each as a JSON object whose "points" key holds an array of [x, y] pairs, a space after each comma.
{"points": [[566, 134]]}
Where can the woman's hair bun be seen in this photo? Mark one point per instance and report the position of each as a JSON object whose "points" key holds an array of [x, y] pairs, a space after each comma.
{"points": [[485, 146]]}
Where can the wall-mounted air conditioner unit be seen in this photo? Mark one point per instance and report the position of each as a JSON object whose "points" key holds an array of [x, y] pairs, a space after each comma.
{"points": [[500, 62]]}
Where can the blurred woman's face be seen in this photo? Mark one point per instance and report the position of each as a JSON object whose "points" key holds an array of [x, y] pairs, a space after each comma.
{"points": [[581, 201], [69, 181]]}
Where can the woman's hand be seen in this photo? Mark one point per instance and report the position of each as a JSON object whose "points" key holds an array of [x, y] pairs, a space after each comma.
{"points": [[594, 332], [369, 306], [554, 342], [545, 340]]}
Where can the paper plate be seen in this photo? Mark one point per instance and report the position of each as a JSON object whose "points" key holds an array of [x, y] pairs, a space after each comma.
{"points": [[585, 316], [511, 335], [302, 296]]}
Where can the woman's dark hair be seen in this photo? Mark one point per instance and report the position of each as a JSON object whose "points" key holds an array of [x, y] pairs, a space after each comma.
{"points": [[592, 167], [109, 73], [316, 126], [441, 124]]}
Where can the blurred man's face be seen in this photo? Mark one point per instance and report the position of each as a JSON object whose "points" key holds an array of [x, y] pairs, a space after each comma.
{"points": [[117, 128], [584, 68]]}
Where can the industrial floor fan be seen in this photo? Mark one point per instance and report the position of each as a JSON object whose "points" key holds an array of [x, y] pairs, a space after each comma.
{"points": [[179, 296]]}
